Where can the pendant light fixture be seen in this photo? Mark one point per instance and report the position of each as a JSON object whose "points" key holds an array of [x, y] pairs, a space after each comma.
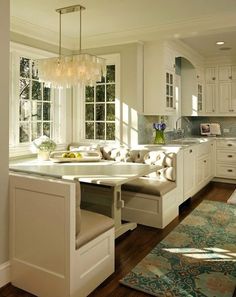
{"points": [[67, 71]]}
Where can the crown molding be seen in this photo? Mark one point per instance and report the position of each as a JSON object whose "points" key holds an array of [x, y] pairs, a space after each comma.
{"points": [[39, 32], [175, 30]]}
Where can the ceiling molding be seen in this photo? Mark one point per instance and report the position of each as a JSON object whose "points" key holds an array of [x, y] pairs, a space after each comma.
{"points": [[186, 28], [39, 32]]}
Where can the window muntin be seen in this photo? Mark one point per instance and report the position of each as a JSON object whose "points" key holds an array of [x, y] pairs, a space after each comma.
{"points": [[100, 107], [35, 104]]}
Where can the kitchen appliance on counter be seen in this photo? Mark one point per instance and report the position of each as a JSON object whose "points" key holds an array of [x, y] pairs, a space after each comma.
{"points": [[210, 129]]}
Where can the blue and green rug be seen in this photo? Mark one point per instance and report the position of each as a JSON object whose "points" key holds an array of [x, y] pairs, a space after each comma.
{"points": [[197, 259]]}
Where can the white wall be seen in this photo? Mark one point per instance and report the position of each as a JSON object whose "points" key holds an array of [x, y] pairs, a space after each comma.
{"points": [[4, 131]]}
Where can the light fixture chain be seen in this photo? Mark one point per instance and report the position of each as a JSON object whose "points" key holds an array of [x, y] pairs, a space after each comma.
{"points": [[80, 29], [60, 34]]}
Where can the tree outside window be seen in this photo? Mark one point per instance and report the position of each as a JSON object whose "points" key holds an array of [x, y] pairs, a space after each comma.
{"points": [[100, 108], [35, 104]]}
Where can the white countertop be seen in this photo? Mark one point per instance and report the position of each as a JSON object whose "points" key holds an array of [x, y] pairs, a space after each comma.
{"points": [[103, 172]]}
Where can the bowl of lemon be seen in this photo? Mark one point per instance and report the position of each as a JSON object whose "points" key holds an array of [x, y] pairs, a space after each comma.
{"points": [[74, 156]]}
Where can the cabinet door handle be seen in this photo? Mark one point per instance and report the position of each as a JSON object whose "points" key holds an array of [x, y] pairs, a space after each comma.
{"points": [[213, 78], [230, 170], [190, 151], [229, 144], [205, 161], [230, 77], [230, 156]]}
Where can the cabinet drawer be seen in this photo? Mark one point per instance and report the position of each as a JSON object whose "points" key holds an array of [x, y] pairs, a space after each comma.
{"points": [[203, 149], [226, 144], [225, 171], [226, 156]]}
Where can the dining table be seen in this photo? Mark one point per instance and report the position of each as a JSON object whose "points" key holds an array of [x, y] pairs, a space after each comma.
{"points": [[109, 175]]}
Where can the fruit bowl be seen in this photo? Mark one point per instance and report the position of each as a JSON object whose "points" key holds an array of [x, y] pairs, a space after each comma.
{"points": [[75, 156]]}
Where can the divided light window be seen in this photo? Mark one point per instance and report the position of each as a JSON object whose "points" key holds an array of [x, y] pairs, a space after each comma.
{"points": [[100, 108], [35, 104]]}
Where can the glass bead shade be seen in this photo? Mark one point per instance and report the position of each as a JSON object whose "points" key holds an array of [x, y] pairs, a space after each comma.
{"points": [[67, 71]]}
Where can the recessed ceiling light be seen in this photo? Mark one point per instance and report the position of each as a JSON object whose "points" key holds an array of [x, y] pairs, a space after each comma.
{"points": [[220, 42]]}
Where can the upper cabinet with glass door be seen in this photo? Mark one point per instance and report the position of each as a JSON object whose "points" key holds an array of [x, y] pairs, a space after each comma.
{"points": [[159, 79]]}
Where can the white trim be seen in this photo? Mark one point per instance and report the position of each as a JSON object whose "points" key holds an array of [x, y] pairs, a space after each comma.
{"points": [[5, 274], [39, 32], [203, 24]]}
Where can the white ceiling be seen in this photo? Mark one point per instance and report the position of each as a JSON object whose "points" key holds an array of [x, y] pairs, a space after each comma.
{"points": [[197, 22]]}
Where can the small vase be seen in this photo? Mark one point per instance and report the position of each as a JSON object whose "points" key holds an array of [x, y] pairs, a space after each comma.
{"points": [[43, 156], [159, 137]]}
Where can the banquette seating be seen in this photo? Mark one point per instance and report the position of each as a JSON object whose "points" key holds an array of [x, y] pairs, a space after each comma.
{"points": [[56, 249]]}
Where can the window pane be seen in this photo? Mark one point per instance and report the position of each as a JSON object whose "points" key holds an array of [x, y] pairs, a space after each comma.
{"points": [[110, 93], [36, 111], [89, 94], [111, 73], [46, 111], [25, 110], [89, 130], [36, 90], [100, 93], [46, 129], [24, 89], [46, 94], [34, 71], [110, 112], [110, 131], [24, 67], [100, 112], [36, 130], [24, 132], [100, 131], [89, 112]]}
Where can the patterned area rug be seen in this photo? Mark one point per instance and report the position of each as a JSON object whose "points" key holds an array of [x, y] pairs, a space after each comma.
{"points": [[197, 259]]}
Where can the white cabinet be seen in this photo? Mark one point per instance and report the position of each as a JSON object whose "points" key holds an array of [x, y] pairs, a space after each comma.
{"points": [[227, 97], [227, 73], [198, 167], [189, 157], [210, 98], [204, 168], [226, 158], [211, 90], [211, 75], [159, 79]]}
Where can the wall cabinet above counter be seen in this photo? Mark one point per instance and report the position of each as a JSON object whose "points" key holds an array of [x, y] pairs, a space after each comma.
{"points": [[159, 80]]}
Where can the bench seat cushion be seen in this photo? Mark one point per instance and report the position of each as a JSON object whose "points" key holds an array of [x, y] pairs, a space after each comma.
{"points": [[92, 225], [147, 185]]}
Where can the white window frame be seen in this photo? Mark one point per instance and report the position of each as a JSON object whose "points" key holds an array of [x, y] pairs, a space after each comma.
{"points": [[60, 111], [79, 107]]}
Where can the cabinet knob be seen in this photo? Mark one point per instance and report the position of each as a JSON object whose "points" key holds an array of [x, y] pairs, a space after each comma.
{"points": [[230, 77], [229, 144], [230, 156], [213, 78], [205, 161], [190, 151], [230, 170]]}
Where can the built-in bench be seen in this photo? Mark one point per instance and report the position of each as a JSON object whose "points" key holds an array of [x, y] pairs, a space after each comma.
{"points": [[56, 249], [152, 200]]}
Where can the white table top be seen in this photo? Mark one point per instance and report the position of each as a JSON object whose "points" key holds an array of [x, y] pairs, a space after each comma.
{"points": [[104, 172]]}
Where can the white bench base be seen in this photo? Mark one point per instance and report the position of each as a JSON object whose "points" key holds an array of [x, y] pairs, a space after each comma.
{"points": [[150, 210], [44, 260]]}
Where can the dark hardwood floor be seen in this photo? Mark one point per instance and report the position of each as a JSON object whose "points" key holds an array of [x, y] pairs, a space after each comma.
{"points": [[134, 246]]}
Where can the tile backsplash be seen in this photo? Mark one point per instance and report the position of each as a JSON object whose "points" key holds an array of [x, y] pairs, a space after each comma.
{"points": [[227, 124], [191, 127]]}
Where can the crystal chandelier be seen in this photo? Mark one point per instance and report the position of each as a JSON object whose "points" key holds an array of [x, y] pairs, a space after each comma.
{"points": [[67, 71]]}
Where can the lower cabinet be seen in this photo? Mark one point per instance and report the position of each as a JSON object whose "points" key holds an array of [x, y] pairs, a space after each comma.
{"points": [[198, 167], [189, 157], [226, 158]]}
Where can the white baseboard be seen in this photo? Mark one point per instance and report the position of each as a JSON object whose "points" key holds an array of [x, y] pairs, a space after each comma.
{"points": [[4, 274]]}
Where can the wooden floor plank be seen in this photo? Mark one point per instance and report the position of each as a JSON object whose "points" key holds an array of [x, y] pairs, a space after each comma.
{"points": [[133, 246]]}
